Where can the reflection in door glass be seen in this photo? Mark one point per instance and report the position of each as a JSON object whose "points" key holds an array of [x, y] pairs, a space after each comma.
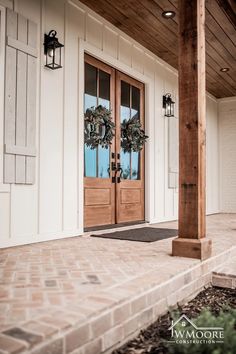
{"points": [[125, 115], [104, 85], [135, 165], [90, 162], [90, 100], [104, 162], [135, 102], [90, 80], [125, 164], [135, 112], [97, 92], [103, 154], [104, 100], [130, 108]]}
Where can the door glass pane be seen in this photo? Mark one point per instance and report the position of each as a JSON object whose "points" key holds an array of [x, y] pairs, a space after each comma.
{"points": [[125, 164], [104, 162], [104, 100], [125, 115], [135, 112], [135, 102], [104, 85], [90, 100], [135, 158], [125, 101], [90, 158]]}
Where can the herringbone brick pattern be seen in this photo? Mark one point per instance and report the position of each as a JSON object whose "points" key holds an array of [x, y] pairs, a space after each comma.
{"points": [[80, 288]]}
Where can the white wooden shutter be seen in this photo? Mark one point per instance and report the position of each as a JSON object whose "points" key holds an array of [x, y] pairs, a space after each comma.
{"points": [[173, 152], [20, 99]]}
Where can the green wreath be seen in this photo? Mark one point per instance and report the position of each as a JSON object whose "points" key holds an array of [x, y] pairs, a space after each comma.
{"points": [[133, 137], [98, 127]]}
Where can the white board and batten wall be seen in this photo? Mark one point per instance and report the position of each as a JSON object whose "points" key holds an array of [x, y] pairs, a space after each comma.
{"points": [[227, 139], [52, 207]]}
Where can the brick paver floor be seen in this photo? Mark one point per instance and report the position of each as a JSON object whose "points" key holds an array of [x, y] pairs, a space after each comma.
{"points": [[50, 287]]}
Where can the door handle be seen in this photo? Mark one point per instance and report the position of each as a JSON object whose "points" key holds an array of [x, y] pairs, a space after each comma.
{"points": [[113, 166], [119, 168]]}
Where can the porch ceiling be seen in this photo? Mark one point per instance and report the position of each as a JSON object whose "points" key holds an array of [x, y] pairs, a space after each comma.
{"points": [[142, 20]]}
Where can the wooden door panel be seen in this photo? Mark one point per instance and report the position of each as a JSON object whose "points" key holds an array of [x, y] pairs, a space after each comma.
{"points": [[97, 196], [131, 212], [99, 192], [129, 192], [129, 195], [99, 215]]}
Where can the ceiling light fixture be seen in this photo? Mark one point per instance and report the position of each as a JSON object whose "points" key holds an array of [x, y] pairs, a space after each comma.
{"points": [[224, 70], [168, 14]]}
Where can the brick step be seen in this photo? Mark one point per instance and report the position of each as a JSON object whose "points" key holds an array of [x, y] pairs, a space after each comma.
{"points": [[225, 277]]}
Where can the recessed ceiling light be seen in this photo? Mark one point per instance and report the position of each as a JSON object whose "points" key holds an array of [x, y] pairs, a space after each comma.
{"points": [[168, 14], [224, 70]]}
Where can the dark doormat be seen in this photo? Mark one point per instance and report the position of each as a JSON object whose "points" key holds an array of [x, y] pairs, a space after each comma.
{"points": [[143, 234]]}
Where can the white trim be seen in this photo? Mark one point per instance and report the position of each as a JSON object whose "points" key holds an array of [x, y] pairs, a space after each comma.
{"points": [[16, 44], [20, 150], [80, 130], [161, 220], [2, 87], [30, 239], [117, 64], [227, 99], [210, 96]]}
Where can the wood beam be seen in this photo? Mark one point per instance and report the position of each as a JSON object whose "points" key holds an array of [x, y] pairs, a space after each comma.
{"points": [[191, 241]]}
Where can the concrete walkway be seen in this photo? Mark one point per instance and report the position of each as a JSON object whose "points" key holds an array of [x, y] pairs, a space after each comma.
{"points": [[87, 295]]}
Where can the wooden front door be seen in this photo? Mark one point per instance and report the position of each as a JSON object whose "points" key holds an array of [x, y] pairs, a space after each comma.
{"points": [[130, 190], [113, 179]]}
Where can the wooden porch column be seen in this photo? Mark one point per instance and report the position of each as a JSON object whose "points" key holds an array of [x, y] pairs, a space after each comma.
{"points": [[191, 241]]}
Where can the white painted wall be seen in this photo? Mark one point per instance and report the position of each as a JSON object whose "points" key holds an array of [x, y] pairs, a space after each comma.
{"points": [[227, 128], [53, 207], [212, 156]]}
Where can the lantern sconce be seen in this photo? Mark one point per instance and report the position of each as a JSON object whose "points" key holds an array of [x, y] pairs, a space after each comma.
{"points": [[168, 105], [52, 50]]}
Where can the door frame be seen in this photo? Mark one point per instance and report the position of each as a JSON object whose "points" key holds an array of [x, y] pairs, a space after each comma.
{"points": [[85, 47]]}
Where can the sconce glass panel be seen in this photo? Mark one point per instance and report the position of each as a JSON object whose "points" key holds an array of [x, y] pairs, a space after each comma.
{"points": [[52, 50], [168, 105]]}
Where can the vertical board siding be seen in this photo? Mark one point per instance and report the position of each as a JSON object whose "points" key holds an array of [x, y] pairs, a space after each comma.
{"points": [[94, 31], [70, 147], [173, 152], [227, 128], [212, 153], [51, 137], [110, 44], [31, 102], [10, 98], [20, 99]]}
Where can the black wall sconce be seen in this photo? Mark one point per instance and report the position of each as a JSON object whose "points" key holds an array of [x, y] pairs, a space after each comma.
{"points": [[52, 50], [168, 105]]}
